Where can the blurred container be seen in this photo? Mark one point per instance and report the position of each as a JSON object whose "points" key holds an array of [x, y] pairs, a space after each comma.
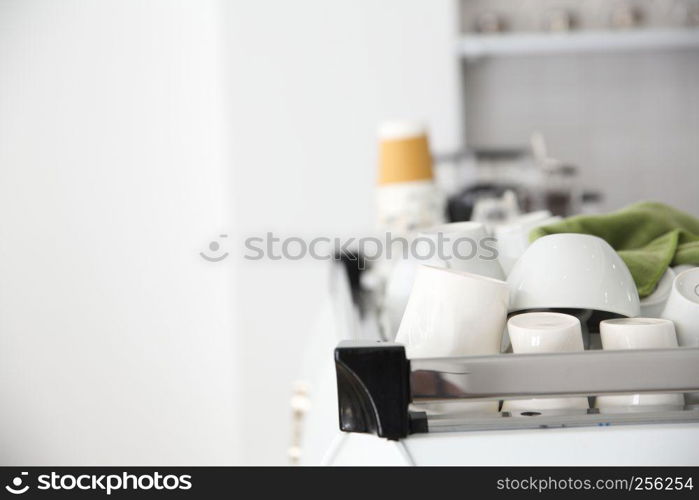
{"points": [[493, 173], [407, 198], [559, 191]]}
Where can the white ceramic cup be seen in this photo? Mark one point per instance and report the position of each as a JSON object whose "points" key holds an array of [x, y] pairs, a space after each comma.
{"points": [[398, 286], [682, 308], [638, 333], [463, 246], [542, 332], [454, 313], [652, 306]]}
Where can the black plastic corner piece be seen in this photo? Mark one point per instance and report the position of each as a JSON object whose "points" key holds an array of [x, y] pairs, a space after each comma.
{"points": [[373, 388]]}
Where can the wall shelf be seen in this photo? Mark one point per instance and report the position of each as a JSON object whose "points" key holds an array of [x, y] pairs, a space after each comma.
{"points": [[523, 44]]}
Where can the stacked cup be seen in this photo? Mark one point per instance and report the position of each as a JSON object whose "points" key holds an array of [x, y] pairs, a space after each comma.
{"points": [[406, 197], [638, 333], [682, 308], [563, 271], [453, 310], [454, 313], [542, 332], [462, 246]]}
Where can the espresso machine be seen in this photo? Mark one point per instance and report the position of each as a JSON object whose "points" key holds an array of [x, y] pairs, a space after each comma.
{"points": [[372, 405]]}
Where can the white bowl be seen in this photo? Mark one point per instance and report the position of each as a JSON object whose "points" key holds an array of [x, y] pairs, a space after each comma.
{"points": [[513, 238], [652, 305], [576, 271]]}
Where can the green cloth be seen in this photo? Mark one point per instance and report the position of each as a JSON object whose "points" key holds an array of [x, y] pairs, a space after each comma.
{"points": [[648, 236]]}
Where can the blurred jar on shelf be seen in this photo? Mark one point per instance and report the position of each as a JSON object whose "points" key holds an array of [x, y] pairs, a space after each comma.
{"points": [[490, 22], [493, 188], [625, 15], [559, 21], [560, 193]]}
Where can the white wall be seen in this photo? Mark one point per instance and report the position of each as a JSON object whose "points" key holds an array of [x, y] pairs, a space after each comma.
{"points": [[310, 81], [116, 342], [131, 134]]}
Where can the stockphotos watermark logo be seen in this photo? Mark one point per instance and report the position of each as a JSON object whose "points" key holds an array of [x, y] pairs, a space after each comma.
{"points": [[440, 247], [18, 486], [100, 483]]}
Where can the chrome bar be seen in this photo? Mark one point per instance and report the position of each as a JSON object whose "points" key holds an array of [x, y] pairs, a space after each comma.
{"points": [[561, 419], [517, 376]]}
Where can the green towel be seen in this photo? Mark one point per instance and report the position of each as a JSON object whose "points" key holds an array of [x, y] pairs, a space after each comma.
{"points": [[648, 236]]}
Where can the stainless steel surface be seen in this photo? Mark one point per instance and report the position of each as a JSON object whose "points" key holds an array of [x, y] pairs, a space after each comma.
{"points": [[559, 419], [515, 376]]}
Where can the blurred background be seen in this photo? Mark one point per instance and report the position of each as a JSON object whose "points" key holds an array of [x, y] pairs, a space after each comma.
{"points": [[134, 133]]}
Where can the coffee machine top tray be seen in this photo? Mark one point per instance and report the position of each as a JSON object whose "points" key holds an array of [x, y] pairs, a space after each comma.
{"points": [[382, 392]]}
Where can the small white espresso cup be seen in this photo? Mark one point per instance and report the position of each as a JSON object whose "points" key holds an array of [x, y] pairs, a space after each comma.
{"points": [[638, 333], [463, 246], [682, 307], [454, 313], [541, 332]]}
